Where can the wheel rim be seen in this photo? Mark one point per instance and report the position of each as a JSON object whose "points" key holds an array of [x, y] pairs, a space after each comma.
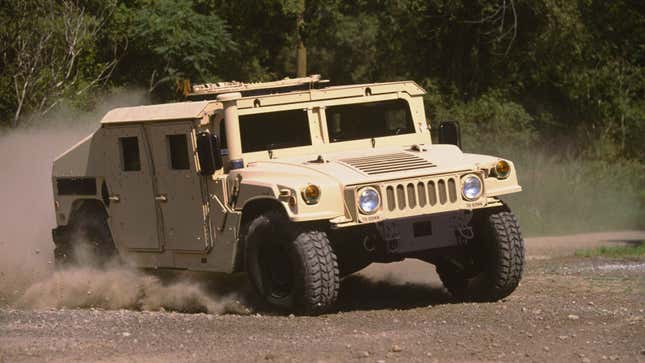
{"points": [[276, 270]]}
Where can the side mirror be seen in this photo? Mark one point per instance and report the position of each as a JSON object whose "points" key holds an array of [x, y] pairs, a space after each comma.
{"points": [[449, 133], [208, 152]]}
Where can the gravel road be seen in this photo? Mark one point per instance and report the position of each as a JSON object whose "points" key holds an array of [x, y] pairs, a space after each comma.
{"points": [[566, 309]]}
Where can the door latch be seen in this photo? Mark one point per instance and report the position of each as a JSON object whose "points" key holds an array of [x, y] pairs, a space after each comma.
{"points": [[161, 198], [114, 198]]}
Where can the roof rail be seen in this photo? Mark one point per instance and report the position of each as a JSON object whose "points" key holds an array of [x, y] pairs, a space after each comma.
{"points": [[254, 88]]}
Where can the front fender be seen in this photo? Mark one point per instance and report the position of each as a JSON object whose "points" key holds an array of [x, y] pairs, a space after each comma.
{"points": [[290, 197]]}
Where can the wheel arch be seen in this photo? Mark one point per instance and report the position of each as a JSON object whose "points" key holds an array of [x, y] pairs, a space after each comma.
{"points": [[84, 212], [88, 227], [251, 210], [87, 207]]}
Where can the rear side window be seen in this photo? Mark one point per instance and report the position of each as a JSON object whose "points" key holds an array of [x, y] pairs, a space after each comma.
{"points": [[178, 147], [368, 120], [274, 130], [130, 153]]}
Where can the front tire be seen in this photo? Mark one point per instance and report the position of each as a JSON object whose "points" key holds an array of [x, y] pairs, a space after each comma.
{"points": [[292, 269], [496, 259]]}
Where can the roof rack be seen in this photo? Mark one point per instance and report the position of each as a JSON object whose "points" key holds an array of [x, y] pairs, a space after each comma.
{"points": [[254, 88]]}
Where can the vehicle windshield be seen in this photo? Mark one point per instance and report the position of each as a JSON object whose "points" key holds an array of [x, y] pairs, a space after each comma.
{"points": [[368, 120], [273, 130]]}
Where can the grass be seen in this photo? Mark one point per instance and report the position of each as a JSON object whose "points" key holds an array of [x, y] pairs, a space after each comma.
{"points": [[632, 250], [564, 194]]}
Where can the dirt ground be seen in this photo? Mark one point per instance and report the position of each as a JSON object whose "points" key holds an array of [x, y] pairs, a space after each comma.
{"points": [[566, 309]]}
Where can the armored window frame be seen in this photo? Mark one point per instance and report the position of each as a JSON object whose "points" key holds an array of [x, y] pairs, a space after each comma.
{"points": [[367, 120], [178, 151], [130, 154], [274, 130]]}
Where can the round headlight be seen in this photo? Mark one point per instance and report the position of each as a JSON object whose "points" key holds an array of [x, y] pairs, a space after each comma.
{"points": [[369, 200], [311, 194], [471, 187], [502, 169]]}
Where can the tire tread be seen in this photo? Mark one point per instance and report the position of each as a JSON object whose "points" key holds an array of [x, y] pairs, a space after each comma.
{"points": [[503, 272]]}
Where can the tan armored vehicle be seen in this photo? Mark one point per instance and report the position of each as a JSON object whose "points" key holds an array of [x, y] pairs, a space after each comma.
{"points": [[294, 183]]}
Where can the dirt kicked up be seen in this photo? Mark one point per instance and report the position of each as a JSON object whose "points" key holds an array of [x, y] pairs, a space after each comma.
{"points": [[567, 308]]}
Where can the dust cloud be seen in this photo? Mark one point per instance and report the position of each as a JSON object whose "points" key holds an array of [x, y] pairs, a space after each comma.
{"points": [[121, 287], [27, 275]]}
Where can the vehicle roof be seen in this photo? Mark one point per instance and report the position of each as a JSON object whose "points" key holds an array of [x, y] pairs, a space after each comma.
{"points": [[160, 112], [197, 109]]}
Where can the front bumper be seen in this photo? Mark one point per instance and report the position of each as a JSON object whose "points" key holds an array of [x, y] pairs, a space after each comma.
{"points": [[425, 232]]}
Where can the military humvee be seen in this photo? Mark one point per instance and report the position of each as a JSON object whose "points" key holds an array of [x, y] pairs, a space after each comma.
{"points": [[294, 183]]}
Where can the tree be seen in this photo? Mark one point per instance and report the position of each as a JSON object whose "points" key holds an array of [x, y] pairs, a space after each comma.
{"points": [[48, 54], [169, 41]]}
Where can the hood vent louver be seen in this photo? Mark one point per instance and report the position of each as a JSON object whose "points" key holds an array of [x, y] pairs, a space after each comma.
{"points": [[387, 163]]}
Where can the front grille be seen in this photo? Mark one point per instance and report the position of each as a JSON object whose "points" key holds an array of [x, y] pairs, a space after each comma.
{"points": [[387, 163], [421, 194]]}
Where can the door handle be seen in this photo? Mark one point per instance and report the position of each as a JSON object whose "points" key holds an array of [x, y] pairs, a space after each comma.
{"points": [[114, 198], [161, 198]]}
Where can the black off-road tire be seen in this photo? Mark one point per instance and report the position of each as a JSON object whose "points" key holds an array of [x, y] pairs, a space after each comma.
{"points": [[309, 268], [88, 232], [498, 254]]}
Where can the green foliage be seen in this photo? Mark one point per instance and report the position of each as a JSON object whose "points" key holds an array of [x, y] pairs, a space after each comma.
{"points": [[486, 122], [573, 67], [48, 56], [557, 85], [170, 40]]}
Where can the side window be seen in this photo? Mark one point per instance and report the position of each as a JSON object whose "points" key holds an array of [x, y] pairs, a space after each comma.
{"points": [[274, 130], [178, 147], [130, 153]]}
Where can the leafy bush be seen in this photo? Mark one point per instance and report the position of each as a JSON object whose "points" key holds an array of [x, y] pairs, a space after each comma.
{"points": [[487, 122]]}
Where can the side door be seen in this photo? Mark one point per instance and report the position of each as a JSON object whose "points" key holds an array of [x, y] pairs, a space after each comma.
{"points": [[180, 189], [129, 175]]}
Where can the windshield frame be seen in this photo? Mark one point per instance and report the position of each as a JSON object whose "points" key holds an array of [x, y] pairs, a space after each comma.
{"points": [[380, 108], [320, 143]]}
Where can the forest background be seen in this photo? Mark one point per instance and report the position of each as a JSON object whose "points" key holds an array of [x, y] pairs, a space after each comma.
{"points": [[556, 85]]}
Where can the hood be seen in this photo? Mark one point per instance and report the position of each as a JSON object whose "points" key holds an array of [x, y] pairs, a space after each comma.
{"points": [[374, 165]]}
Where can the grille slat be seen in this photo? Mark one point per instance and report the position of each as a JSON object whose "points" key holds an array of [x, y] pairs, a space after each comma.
{"points": [[391, 199], [432, 193], [443, 198], [412, 196], [452, 190], [400, 196], [421, 194], [387, 163], [421, 189]]}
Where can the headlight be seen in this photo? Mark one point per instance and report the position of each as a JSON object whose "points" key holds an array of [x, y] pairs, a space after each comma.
{"points": [[471, 187], [311, 194], [369, 200], [502, 169]]}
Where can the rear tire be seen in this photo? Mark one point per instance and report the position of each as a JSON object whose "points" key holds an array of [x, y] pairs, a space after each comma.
{"points": [[292, 269], [88, 241], [496, 262]]}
